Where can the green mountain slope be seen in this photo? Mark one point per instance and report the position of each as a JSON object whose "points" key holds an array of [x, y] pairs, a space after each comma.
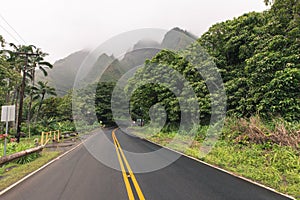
{"points": [[63, 74]]}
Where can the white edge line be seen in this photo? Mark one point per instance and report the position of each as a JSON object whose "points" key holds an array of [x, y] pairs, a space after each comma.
{"points": [[223, 170], [218, 168], [39, 169]]}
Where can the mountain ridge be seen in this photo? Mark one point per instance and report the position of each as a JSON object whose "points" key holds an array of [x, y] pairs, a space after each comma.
{"points": [[64, 71]]}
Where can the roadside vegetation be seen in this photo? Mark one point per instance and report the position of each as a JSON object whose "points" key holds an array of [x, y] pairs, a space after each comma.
{"points": [[14, 171], [38, 109], [257, 55], [263, 151], [13, 147]]}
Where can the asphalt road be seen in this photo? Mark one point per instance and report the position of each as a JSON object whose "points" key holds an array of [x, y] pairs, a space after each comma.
{"points": [[79, 175]]}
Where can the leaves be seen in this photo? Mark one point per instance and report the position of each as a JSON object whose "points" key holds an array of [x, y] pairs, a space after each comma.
{"points": [[258, 54]]}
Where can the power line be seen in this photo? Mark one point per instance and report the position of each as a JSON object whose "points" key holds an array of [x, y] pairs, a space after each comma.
{"points": [[10, 34], [12, 28]]}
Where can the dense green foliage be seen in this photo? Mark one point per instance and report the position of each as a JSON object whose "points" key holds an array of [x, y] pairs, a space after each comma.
{"points": [[40, 111], [157, 82], [103, 102], [9, 78], [257, 55], [55, 114]]}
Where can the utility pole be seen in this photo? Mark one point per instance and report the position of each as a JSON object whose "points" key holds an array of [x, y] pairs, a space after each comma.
{"points": [[22, 91]]}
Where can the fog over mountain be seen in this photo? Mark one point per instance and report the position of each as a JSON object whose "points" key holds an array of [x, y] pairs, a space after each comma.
{"points": [[64, 71]]}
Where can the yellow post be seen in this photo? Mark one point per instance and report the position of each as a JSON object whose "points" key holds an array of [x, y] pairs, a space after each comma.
{"points": [[54, 135], [46, 137], [42, 138]]}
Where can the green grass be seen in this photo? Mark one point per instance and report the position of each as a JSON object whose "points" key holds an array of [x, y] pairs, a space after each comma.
{"points": [[277, 167], [13, 147], [19, 171], [15, 170], [270, 164]]}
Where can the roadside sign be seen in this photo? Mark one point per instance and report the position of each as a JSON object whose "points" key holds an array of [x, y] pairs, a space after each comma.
{"points": [[8, 113]]}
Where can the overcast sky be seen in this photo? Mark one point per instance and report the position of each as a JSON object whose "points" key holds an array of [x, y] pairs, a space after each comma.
{"points": [[60, 27]]}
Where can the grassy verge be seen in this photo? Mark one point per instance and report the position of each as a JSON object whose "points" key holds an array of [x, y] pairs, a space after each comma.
{"points": [[277, 167], [249, 150], [12, 172]]}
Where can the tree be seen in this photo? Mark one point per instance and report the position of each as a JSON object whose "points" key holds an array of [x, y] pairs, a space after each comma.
{"points": [[251, 51], [103, 102], [257, 55], [59, 108], [20, 53], [8, 78], [25, 59], [283, 96], [18, 64], [268, 2], [164, 81], [40, 91], [38, 63]]}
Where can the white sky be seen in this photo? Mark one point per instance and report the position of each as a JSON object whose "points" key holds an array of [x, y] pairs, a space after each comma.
{"points": [[61, 27]]}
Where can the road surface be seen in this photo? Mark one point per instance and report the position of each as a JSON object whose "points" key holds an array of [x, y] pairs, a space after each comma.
{"points": [[78, 175]]}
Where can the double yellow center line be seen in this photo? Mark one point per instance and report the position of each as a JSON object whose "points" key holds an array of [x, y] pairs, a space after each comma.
{"points": [[122, 159]]}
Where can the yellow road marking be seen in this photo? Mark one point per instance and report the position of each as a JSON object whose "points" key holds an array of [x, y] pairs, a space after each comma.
{"points": [[125, 178], [135, 183]]}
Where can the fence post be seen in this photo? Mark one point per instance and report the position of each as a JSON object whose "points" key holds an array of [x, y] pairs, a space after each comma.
{"points": [[46, 136], [42, 139], [54, 136], [47, 133]]}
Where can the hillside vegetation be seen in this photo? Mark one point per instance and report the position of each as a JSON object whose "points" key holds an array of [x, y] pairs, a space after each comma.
{"points": [[258, 57]]}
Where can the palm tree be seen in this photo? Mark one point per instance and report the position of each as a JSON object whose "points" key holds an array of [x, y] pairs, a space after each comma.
{"points": [[38, 63], [15, 63], [41, 91], [20, 63], [25, 60]]}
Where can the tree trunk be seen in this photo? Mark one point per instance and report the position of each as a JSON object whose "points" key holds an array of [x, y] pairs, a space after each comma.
{"points": [[22, 91], [40, 106], [30, 101], [5, 159]]}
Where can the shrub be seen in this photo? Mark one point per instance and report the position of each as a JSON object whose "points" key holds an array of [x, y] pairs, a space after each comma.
{"points": [[27, 158]]}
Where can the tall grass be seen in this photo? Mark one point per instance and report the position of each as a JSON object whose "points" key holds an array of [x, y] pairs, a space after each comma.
{"points": [[266, 151]]}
